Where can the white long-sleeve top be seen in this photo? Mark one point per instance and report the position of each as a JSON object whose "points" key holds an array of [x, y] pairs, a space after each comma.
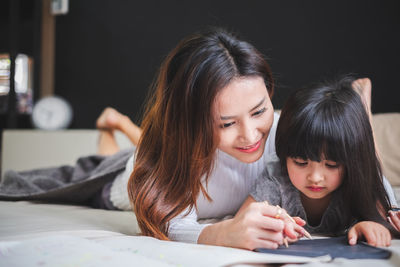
{"points": [[228, 186]]}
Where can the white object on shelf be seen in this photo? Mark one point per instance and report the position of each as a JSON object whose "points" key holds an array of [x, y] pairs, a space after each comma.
{"points": [[52, 113], [59, 7]]}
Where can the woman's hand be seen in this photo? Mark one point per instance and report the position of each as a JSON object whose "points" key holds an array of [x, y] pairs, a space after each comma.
{"points": [[375, 234], [254, 226]]}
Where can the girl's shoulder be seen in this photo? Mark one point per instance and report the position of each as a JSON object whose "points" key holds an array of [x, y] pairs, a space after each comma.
{"points": [[273, 169], [270, 143]]}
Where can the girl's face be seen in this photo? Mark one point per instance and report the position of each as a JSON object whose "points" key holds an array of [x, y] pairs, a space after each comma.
{"points": [[243, 118], [313, 179]]}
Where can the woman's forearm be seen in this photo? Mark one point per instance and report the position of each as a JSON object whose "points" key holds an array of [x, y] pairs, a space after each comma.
{"points": [[213, 234]]}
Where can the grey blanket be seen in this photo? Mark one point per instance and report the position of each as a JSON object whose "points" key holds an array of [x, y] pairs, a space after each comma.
{"points": [[71, 184]]}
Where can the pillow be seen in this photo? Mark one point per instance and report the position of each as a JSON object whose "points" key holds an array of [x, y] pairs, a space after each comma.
{"points": [[386, 128]]}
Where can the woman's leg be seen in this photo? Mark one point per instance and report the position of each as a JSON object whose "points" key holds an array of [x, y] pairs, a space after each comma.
{"points": [[107, 145], [109, 121], [363, 87]]}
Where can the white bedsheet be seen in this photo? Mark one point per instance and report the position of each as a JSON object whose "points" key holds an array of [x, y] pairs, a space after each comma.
{"points": [[33, 234]]}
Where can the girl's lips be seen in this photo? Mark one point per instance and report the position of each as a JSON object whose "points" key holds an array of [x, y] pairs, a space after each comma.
{"points": [[315, 188], [250, 149]]}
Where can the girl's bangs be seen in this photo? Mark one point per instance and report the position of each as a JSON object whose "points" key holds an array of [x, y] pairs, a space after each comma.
{"points": [[318, 137]]}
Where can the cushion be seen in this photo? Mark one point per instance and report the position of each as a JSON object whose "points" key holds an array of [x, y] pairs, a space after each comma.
{"points": [[386, 128]]}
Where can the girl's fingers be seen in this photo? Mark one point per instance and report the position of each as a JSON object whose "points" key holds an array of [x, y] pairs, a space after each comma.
{"points": [[352, 236], [391, 222], [383, 239], [371, 238], [395, 220], [299, 230], [375, 234], [378, 238], [293, 230], [299, 221], [386, 239]]}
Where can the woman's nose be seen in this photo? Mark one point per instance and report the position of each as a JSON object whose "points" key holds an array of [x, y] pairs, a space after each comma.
{"points": [[248, 133]]}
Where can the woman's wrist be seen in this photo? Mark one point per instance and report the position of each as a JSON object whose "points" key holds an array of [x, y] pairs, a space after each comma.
{"points": [[213, 234]]}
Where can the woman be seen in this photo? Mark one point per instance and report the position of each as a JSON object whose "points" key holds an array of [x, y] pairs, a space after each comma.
{"points": [[207, 131]]}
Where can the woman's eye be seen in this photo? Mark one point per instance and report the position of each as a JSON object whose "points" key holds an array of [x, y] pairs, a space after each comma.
{"points": [[261, 111], [226, 125]]}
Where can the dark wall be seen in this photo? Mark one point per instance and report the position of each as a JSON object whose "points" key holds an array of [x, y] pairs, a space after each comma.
{"points": [[108, 52]]}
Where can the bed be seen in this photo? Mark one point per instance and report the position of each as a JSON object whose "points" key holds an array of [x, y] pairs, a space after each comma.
{"points": [[42, 234]]}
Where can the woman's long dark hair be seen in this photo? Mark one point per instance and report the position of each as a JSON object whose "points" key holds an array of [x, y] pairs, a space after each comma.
{"points": [[178, 142], [330, 120]]}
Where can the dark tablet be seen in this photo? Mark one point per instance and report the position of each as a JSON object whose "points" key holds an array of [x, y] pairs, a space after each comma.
{"points": [[336, 247]]}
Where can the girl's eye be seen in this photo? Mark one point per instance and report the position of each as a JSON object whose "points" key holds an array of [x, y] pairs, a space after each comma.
{"points": [[226, 125], [332, 165], [300, 162], [261, 111]]}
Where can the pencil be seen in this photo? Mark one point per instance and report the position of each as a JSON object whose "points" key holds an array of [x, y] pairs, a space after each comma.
{"points": [[307, 234], [285, 242]]}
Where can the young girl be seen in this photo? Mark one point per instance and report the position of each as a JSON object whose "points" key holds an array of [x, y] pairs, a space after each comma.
{"points": [[326, 169]]}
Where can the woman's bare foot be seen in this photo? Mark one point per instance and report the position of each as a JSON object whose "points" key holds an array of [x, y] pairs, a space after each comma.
{"points": [[109, 119], [363, 87]]}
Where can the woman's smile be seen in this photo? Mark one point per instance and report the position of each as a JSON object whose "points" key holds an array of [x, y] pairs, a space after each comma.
{"points": [[251, 148]]}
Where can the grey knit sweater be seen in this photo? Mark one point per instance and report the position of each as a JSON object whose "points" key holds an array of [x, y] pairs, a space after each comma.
{"points": [[275, 187]]}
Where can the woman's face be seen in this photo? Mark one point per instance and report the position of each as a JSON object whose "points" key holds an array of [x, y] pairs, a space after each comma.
{"points": [[243, 118]]}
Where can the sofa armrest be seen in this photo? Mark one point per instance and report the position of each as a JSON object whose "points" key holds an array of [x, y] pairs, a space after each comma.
{"points": [[31, 149], [386, 128]]}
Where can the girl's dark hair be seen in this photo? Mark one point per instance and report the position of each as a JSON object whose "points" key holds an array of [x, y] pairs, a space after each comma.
{"points": [[178, 142], [329, 120]]}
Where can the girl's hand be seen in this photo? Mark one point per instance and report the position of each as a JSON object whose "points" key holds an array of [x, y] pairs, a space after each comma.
{"points": [[394, 219], [375, 234], [293, 225]]}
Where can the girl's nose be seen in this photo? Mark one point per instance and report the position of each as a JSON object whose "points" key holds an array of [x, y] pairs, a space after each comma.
{"points": [[315, 176]]}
